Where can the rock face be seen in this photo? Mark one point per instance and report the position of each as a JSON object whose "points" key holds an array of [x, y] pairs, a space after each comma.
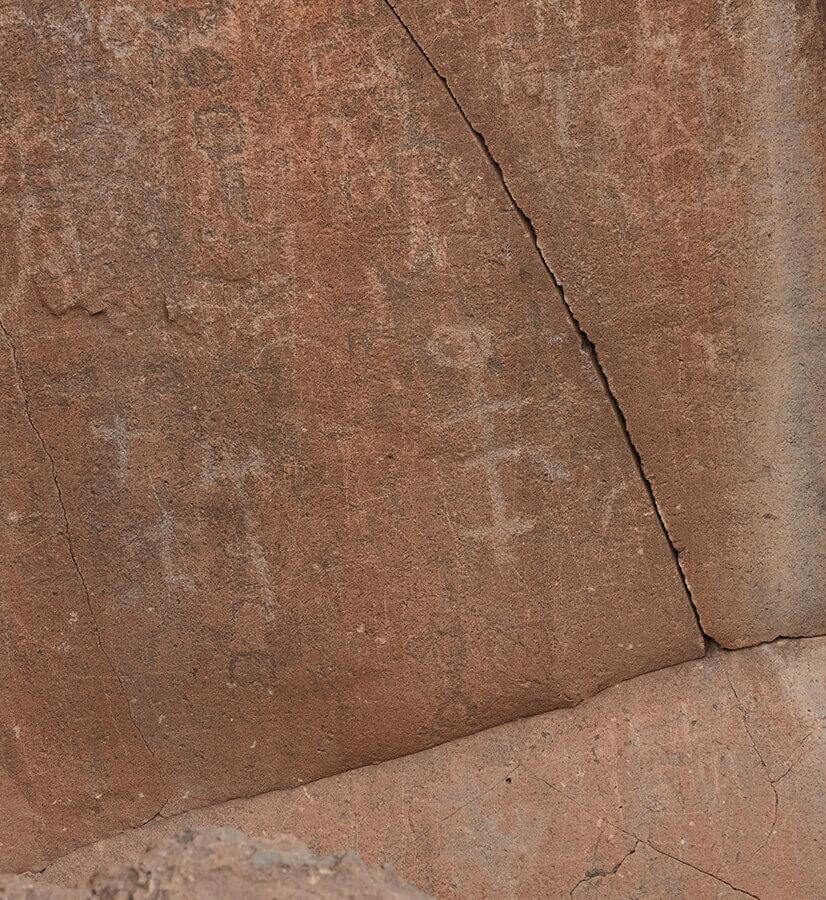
{"points": [[706, 780], [304, 464], [670, 156], [224, 863]]}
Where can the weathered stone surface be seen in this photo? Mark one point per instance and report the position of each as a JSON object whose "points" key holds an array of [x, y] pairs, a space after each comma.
{"points": [[224, 863], [304, 464], [73, 765], [671, 158], [704, 780]]}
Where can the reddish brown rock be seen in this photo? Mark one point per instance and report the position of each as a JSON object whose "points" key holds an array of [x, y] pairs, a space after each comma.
{"points": [[224, 863], [305, 464], [73, 765], [671, 158], [706, 780]]}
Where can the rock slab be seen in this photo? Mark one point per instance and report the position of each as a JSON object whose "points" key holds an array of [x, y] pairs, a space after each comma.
{"points": [[303, 463], [670, 157]]}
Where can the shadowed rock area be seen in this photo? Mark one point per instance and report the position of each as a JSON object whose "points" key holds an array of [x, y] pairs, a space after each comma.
{"points": [[223, 863]]}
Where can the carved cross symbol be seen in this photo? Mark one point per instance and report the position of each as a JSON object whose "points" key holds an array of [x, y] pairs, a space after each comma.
{"points": [[467, 348]]}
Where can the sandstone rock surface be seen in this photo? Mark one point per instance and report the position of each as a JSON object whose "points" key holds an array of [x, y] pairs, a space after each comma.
{"points": [[304, 464], [224, 864], [706, 780], [305, 461], [671, 157]]}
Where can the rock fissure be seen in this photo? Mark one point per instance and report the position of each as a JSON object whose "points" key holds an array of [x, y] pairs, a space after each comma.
{"points": [[67, 529], [677, 859], [794, 759], [772, 782], [604, 873], [585, 340], [637, 838]]}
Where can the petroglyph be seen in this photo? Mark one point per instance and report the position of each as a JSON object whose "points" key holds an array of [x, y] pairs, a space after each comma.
{"points": [[234, 191], [220, 134], [224, 463], [170, 552], [121, 436], [468, 349], [120, 28], [252, 666], [201, 67], [52, 247]]}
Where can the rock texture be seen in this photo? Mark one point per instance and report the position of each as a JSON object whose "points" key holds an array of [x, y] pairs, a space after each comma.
{"points": [[304, 463], [224, 863], [706, 780], [670, 157]]}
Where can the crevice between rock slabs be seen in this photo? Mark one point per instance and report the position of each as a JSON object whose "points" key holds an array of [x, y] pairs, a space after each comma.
{"points": [[586, 342]]}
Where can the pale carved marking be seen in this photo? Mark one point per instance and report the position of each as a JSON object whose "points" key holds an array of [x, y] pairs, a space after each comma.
{"points": [[120, 436], [468, 350], [221, 135], [202, 67], [257, 667], [172, 555], [223, 464], [219, 463]]}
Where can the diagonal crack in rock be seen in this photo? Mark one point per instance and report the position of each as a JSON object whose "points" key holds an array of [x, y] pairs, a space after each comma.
{"points": [[639, 841], [587, 344], [772, 782], [605, 873]]}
